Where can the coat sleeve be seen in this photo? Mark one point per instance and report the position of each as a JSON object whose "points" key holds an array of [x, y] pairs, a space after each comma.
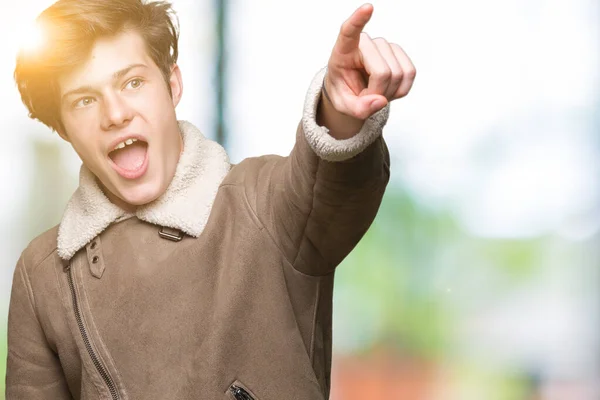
{"points": [[33, 370], [319, 201]]}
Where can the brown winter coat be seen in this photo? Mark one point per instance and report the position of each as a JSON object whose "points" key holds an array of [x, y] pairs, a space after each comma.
{"points": [[109, 305]]}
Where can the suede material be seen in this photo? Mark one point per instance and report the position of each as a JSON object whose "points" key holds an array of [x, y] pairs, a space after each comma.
{"points": [[249, 300]]}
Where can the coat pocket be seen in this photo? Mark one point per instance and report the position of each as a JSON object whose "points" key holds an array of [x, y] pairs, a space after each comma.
{"points": [[238, 391]]}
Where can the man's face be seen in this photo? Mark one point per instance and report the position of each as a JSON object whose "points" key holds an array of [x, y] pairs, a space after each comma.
{"points": [[119, 95]]}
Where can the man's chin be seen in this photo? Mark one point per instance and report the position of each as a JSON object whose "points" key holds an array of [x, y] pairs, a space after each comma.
{"points": [[138, 198], [129, 198]]}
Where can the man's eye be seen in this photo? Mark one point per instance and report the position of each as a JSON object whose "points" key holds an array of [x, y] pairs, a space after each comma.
{"points": [[84, 102], [134, 83]]}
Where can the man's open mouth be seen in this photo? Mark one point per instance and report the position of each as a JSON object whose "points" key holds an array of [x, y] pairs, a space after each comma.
{"points": [[129, 155], [129, 159]]}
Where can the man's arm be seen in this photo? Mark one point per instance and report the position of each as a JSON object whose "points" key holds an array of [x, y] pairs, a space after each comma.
{"points": [[33, 370], [318, 202]]}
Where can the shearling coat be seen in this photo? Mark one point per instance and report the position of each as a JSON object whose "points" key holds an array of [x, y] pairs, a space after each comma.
{"points": [[220, 289]]}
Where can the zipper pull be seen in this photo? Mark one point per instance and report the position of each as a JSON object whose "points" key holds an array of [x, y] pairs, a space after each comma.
{"points": [[239, 393]]}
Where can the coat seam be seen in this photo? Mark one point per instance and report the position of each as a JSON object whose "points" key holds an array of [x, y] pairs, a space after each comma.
{"points": [[25, 277], [31, 296], [261, 226], [27, 281], [314, 323], [255, 218], [44, 258], [312, 208], [65, 315]]}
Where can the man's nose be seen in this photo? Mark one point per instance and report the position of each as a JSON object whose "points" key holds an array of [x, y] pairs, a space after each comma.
{"points": [[117, 113]]}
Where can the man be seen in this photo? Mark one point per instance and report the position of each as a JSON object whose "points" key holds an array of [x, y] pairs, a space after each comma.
{"points": [[174, 274]]}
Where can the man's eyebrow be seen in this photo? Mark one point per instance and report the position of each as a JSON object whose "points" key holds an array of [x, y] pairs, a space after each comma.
{"points": [[81, 89], [116, 76], [119, 74]]}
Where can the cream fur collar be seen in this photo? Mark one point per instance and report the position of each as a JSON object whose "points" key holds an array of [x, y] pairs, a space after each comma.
{"points": [[185, 205], [202, 167]]}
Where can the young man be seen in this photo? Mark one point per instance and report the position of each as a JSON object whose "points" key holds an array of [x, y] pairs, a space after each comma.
{"points": [[174, 274]]}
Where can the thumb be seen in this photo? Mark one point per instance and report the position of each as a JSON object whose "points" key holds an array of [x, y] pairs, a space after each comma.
{"points": [[362, 107]]}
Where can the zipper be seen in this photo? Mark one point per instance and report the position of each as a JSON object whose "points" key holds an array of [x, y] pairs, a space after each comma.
{"points": [[86, 340], [240, 393]]}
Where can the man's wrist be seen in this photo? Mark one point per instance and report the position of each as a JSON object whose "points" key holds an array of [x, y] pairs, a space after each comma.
{"points": [[340, 125], [324, 89]]}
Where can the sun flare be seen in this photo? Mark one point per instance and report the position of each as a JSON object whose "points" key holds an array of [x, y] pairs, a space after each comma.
{"points": [[31, 37]]}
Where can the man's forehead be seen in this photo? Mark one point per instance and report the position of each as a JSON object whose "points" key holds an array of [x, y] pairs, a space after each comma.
{"points": [[108, 56]]}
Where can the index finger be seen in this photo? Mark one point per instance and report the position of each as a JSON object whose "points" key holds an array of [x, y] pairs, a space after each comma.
{"points": [[349, 36]]}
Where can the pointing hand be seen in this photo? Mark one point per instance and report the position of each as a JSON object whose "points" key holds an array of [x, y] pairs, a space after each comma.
{"points": [[364, 74]]}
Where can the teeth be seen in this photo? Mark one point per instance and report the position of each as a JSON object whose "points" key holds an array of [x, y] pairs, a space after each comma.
{"points": [[125, 143]]}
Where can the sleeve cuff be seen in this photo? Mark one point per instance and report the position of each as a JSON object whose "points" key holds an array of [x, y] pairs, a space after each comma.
{"points": [[326, 146]]}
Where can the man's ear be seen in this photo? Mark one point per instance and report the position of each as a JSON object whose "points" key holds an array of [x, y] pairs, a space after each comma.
{"points": [[62, 133], [176, 84]]}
